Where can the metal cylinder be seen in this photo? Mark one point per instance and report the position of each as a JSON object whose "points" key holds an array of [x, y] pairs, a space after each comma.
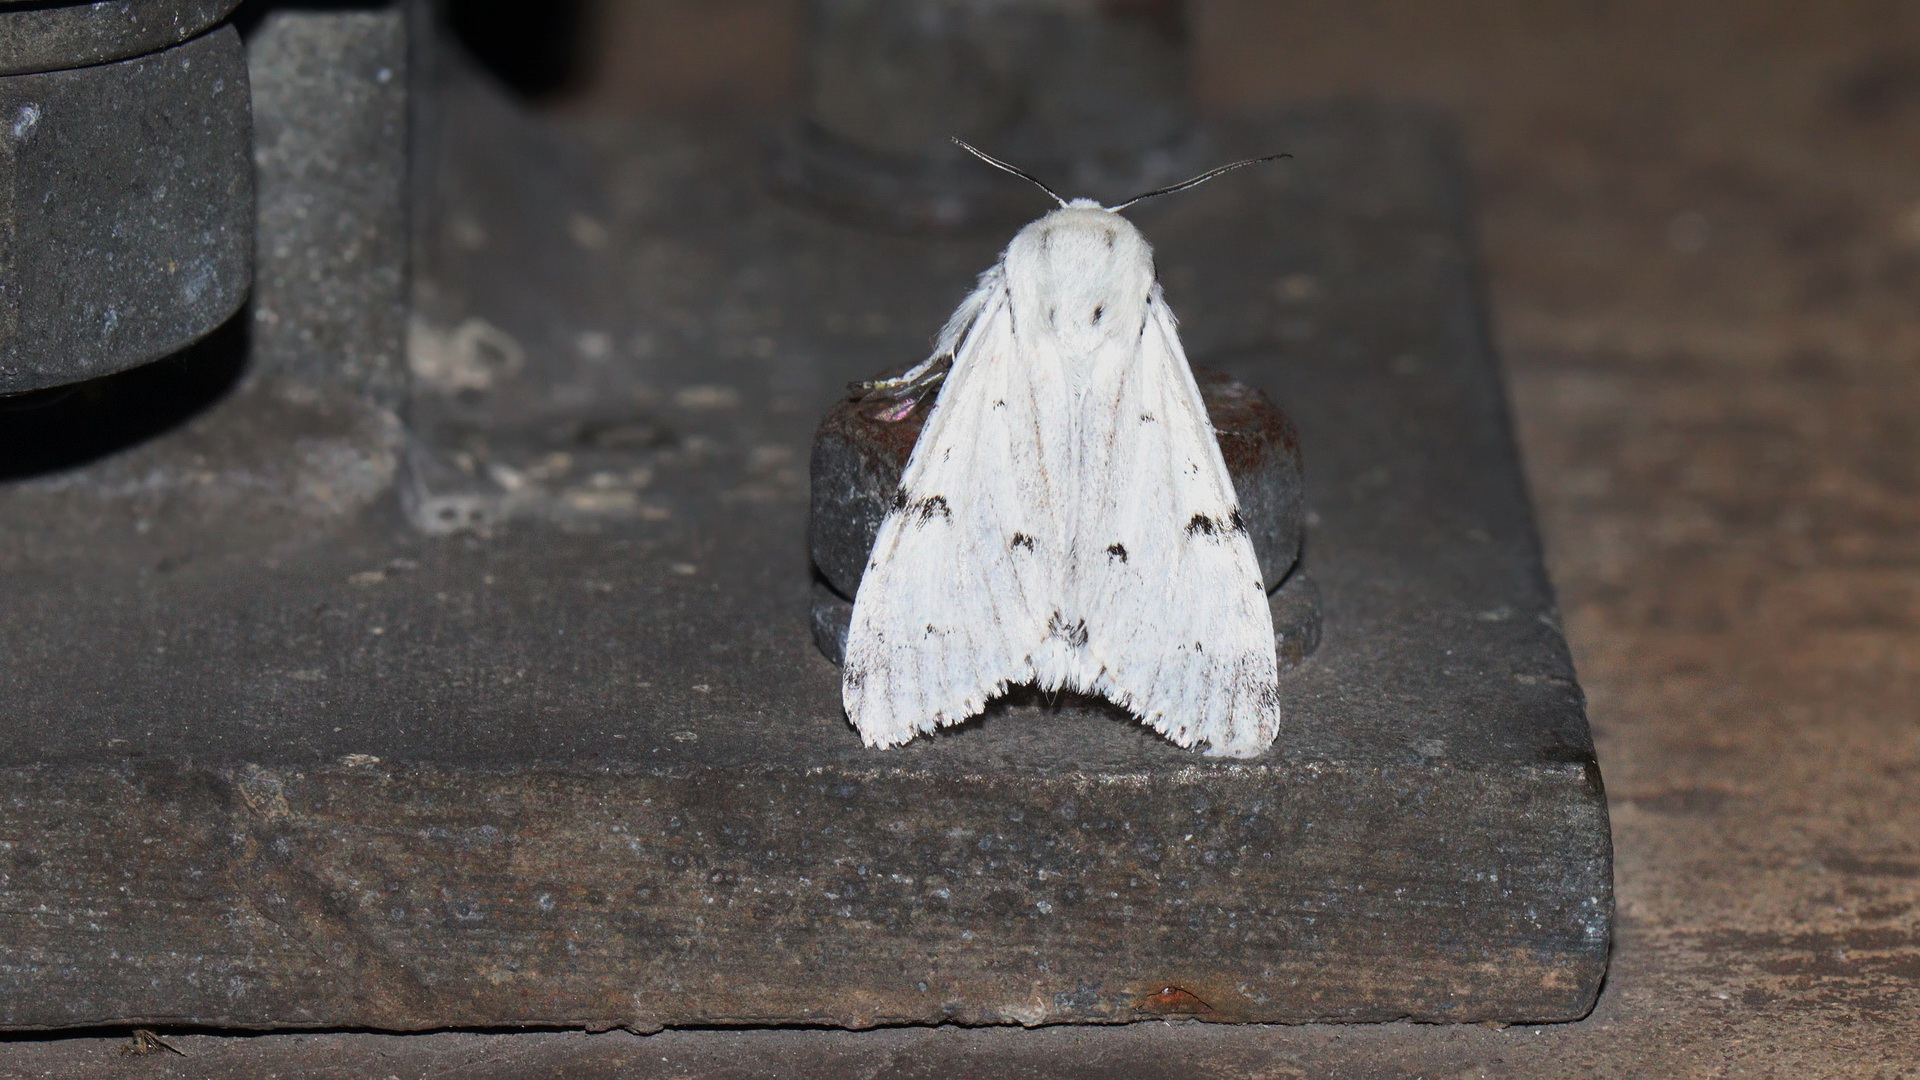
{"points": [[1090, 95], [126, 197], [49, 37]]}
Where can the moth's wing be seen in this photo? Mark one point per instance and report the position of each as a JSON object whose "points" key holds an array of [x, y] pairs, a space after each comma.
{"points": [[1163, 567], [947, 612]]}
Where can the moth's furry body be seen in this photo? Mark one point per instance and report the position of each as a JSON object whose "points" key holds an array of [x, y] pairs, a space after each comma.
{"points": [[1066, 518]]}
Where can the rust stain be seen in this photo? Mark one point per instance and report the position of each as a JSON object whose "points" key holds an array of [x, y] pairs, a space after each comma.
{"points": [[1251, 427], [1174, 999]]}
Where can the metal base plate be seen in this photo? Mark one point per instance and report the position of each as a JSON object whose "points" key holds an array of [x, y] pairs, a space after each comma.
{"points": [[273, 757]]}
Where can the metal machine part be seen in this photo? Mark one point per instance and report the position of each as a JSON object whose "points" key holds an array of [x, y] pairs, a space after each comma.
{"points": [[331, 117], [593, 770], [126, 187], [579, 763], [1089, 94], [51, 36]]}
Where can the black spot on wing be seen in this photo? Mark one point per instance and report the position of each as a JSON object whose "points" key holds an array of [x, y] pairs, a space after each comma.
{"points": [[930, 506], [1235, 522], [999, 404], [899, 500], [1147, 418], [1202, 525], [1098, 311], [1117, 551], [1021, 540], [1074, 634]]}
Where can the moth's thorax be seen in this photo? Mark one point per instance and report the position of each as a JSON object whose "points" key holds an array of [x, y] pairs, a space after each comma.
{"points": [[1081, 275]]}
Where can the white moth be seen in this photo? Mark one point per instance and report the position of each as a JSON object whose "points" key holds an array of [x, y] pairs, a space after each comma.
{"points": [[1066, 518]]}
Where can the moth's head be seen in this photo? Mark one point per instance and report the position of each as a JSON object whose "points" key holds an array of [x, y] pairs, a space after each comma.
{"points": [[1084, 272], [1084, 240]]}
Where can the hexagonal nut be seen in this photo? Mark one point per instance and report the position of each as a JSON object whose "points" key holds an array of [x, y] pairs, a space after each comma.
{"points": [[858, 459]]}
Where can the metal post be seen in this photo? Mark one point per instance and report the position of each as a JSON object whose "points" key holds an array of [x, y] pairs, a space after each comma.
{"points": [[1089, 94]]}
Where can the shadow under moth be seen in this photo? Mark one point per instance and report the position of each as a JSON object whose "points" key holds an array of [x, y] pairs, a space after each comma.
{"points": [[1066, 518]]}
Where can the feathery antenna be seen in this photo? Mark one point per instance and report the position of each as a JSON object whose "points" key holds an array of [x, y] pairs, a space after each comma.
{"points": [[998, 164], [1195, 182]]}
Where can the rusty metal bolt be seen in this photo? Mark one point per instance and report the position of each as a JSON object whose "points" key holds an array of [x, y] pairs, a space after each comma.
{"points": [[858, 458]]}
